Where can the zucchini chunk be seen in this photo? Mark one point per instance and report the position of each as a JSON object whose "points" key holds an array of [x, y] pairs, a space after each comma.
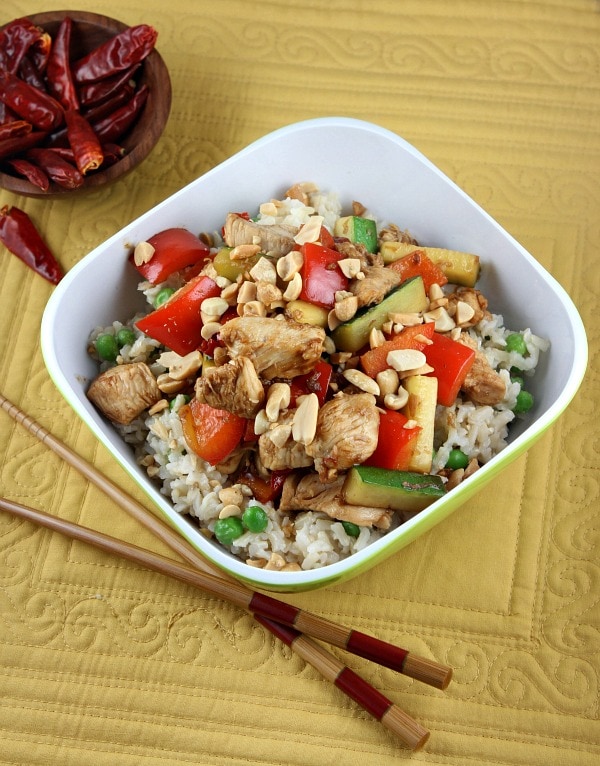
{"points": [[460, 268], [385, 488], [407, 298]]}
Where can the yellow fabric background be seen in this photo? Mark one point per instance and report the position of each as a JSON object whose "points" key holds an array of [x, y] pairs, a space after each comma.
{"points": [[105, 663]]}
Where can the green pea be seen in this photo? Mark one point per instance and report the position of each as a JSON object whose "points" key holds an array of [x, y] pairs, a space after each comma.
{"points": [[524, 402], [515, 342], [229, 529], [352, 530], [107, 347], [163, 296], [125, 337], [457, 459], [255, 519], [518, 379]]}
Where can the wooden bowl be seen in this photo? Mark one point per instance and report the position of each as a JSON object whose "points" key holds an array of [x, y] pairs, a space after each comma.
{"points": [[89, 31]]}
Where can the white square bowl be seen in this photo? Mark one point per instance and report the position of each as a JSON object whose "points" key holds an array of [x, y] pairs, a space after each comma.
{"points": [[358, 160]]}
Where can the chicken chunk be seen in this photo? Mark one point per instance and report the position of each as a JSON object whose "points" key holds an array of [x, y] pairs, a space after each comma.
{"points": [[377, 283], [483, 385], [356, 250], [123, 392], [277, 449], [308, 493], [473, 298], [234, 387], [275, 239], [278, 348], [347, 433]]}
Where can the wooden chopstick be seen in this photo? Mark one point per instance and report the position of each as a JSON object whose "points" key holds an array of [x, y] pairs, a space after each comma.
{"points": [[384, 710], [361, 644]]}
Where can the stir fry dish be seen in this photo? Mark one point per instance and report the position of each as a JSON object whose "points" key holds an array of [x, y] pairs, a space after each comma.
{"points": [[307, 378]]}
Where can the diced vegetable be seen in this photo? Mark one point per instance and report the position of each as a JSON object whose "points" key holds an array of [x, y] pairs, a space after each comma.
{"points": [[363, 231], [174, 249], [398, 490], [321, 276], [229, 269], [460, 268], [396, 443], [315, 382], [307, 313], [177, 323], [210, 433], [422, 402], [417, 263], [374, 361], [407, 298], [451, 362]]}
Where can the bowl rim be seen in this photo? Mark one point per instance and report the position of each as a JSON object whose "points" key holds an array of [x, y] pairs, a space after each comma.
{"points": [[414, 527], [137, 154]]}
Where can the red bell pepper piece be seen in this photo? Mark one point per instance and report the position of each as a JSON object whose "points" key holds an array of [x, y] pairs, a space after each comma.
{"points": [[321, 276], [174, 249], [264, 490], [177, 323], [451, 362], [395, 444], [375, 361], [418, 263], [315, 382], [210, 433]]}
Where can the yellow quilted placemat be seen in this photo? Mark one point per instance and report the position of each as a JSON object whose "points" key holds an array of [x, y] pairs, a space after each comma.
{"points": [[102, 662]]}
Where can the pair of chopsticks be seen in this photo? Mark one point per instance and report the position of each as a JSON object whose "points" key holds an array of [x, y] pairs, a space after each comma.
{"points": [[294, 626]]}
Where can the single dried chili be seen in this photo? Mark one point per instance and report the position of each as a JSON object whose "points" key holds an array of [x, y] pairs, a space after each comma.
{"points": [[15, 128], [120, 52], [115, 125], [15, 40], [30, 172], [9, 147], [33, 105], [84, 142], [57, 168], [58, 70], [31, 75], [19, 235], [94, 93]]}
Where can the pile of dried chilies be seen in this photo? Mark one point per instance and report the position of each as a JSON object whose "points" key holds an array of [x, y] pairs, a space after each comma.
{"points": [[62, 119]]}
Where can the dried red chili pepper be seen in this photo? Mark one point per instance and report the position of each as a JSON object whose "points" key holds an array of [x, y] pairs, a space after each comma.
{"points": [[30, 172], [57, 168], [94, 93], [9, 147], [84, 142], [15, 128], [112, 154], [30, 74], [115, 125], [58, 69], [15, 40], [98, 111], [38, 108], [120, 52], [20, 236]]}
